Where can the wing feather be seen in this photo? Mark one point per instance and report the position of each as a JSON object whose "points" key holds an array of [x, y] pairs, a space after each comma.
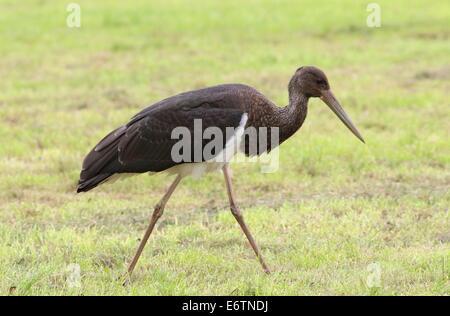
{"points": [[145, 142]]}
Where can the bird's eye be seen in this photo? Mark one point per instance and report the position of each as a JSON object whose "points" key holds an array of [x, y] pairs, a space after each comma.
{"points": [[320, 81]]}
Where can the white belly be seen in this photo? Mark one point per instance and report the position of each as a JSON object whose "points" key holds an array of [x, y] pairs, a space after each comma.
{"points": [[232, 147], [195, 170]]}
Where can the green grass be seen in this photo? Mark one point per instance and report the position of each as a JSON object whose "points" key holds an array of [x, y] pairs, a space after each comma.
{"points": [[334, 207]]}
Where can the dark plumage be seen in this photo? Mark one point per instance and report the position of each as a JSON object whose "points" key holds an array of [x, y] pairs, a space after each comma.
{"points": [[144, 144]]}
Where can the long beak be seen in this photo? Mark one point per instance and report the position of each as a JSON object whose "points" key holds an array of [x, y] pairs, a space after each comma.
{"points": [[330, 100]]}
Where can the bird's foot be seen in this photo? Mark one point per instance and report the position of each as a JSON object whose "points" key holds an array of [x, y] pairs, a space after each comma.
{"points": [[266, 269], [125, 279]]}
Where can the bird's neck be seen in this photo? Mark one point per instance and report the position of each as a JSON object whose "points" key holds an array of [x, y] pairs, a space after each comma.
{"points": [[291, 117]]}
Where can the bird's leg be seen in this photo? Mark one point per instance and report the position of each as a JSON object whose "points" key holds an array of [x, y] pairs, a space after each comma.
{"points": [[240, 219], [157, 213]]}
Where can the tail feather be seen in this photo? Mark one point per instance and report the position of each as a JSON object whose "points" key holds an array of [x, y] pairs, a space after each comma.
{"points": [[91, 183], [101, 163]]}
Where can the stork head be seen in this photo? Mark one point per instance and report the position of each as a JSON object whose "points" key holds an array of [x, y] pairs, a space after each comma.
{"points": [[313, 83]]}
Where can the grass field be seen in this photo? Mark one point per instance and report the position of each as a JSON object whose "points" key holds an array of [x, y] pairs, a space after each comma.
{"points": [[333, 210]]}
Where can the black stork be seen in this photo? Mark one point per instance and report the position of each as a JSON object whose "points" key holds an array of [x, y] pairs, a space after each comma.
{"points": [[145, 143]]}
